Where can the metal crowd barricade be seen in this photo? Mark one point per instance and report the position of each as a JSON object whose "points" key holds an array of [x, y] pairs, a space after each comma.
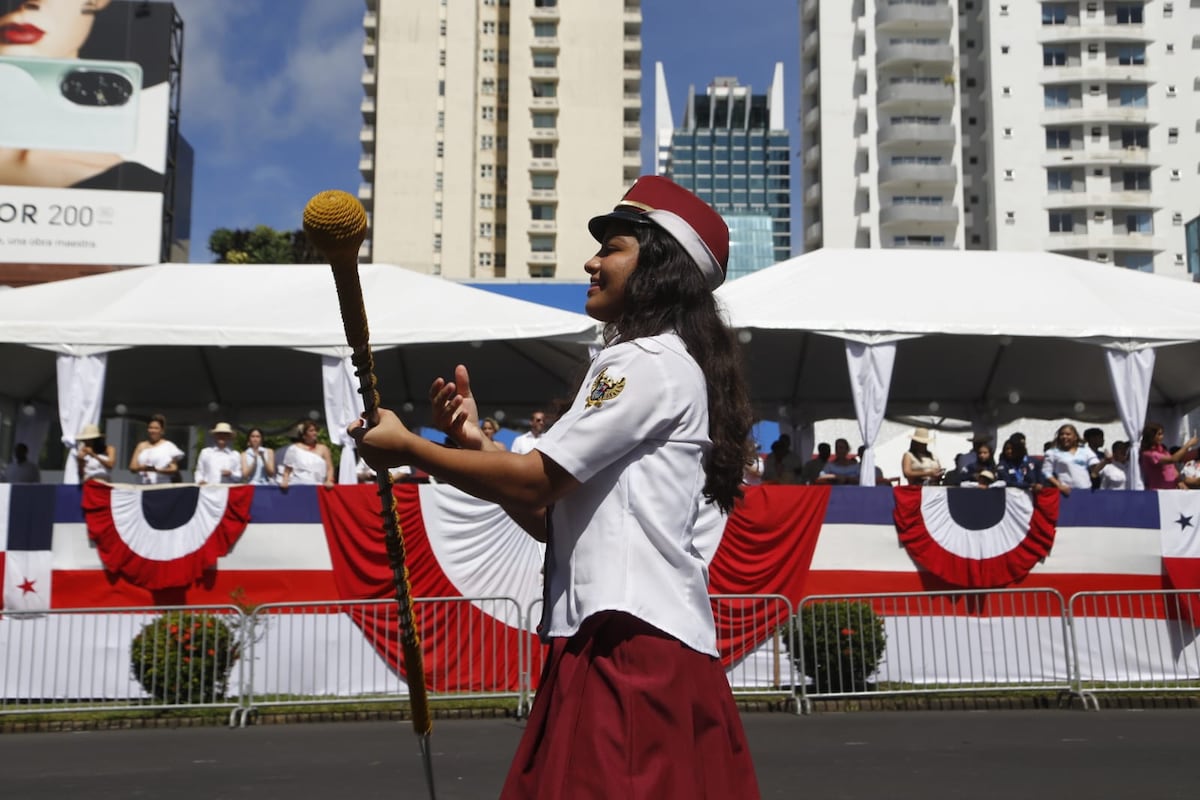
{"points": [[115, 659], [533, 654], [1135, 641], [349, 652], [756, 629], [753, 633], [992, 640]]}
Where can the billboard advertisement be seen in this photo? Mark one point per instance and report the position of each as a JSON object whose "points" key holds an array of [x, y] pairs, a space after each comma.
{"points": [[83, 134]]}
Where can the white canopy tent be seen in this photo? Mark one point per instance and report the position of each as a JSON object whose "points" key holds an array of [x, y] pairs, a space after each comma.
{"points": [[202, 342], [976, 335]]}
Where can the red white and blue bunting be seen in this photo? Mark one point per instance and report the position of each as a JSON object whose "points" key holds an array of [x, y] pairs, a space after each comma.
{"points": [[976, 538], [165, 538]]}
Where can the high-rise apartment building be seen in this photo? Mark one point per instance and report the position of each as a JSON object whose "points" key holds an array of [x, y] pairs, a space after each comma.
{"points": [[488, 122], [1062, 126], [733, 150]]}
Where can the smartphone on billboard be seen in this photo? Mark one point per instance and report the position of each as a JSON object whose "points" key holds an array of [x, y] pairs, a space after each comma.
{"points": [[69, 104]]}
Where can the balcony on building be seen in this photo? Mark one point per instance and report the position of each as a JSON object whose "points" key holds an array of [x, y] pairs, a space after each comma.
{"points": [[544, 195], [916, 135], [910, 54], [812, 43], [631, 158], [812, 194], [368, 82], [543, 134], [917, 214], [939, 95], [366, 164], [369, 52], [372, 5], [543, 226], [367, 135], [632, 71], [1092, 29], [633, 13], [546, 12], [367, 107], [916, 17], [812, 234], [809, 9], [812, 80], [544, 44], [542, 259], [370, 19], [365, 191], [813, 154], [543, 165], [940, 175], [812, 118]]}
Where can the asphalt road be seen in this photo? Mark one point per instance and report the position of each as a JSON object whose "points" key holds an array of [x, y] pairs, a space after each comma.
{"points": [[1066, 755]]}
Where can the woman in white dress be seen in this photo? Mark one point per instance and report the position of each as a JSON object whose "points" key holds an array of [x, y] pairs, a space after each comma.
{"points": [[157, 459], [308, 461]]}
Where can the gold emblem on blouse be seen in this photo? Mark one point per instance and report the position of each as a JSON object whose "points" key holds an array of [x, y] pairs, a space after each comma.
{"points": [[604, 388]]}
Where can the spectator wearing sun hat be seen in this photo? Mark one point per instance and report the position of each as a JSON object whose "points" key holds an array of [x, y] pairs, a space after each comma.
{"points": [[219, 463], [93, 456], [919, 466]]}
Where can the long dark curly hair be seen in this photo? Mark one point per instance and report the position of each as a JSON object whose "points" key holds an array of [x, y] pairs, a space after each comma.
{"points": [[666, 292]]}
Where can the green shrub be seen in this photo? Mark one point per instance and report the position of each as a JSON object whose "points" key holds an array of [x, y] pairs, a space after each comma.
{"points": [[842, 644], [185, 657]]}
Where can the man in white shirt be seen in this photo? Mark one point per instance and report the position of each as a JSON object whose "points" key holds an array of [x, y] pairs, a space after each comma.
{"points": [[526, 442], [219, 463], [22, 470]]}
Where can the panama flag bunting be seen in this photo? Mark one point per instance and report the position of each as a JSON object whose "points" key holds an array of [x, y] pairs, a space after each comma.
{"points": [[1179, 516], [26, 528]]}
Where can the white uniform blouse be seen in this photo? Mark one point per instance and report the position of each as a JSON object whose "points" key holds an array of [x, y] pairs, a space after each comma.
{"points": [[635, 438]]}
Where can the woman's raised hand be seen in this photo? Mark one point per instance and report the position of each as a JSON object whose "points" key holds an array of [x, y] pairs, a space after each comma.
{"points": [[455, 412]]}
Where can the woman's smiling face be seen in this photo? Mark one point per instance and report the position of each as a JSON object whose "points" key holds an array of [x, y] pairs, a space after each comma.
{"points": [[610, 269]]}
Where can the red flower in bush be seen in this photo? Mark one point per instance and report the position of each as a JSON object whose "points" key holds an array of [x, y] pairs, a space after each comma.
{"points": [[847, 631]]}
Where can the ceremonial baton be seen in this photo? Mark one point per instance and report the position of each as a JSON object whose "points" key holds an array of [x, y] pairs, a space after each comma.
{"points": [[336, 224]]}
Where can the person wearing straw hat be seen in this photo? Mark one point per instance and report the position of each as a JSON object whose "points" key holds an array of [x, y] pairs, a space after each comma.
{"points": [[94, 457], [919, 466], [219, 463], [633, 700]]}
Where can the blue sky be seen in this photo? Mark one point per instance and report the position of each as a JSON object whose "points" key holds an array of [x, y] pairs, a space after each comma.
{"points": [[271, 100]]}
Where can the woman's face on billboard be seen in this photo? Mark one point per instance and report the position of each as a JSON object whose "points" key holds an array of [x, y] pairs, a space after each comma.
{"points": [[46, 28]]}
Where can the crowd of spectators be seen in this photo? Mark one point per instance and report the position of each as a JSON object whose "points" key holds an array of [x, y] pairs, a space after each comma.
{"points": [[1069, 462]]}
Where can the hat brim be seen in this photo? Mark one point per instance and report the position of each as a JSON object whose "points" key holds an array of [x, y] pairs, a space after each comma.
{"points": [[87, 438], [596, 225], [922, 439]]}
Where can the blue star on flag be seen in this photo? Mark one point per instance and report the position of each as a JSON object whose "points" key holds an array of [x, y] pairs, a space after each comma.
{"points": [[1183, 522]]}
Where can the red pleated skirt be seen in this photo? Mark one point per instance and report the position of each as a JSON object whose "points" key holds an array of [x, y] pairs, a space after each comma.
{"points": [[626, 711]]}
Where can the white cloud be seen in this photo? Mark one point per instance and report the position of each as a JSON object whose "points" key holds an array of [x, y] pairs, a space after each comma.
{"points": [[254, 76]]}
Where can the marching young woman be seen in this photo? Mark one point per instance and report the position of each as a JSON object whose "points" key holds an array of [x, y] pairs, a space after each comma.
{"points": [[633, 701]]}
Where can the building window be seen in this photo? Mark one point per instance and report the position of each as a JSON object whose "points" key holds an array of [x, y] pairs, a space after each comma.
{"points": [[545, 89], [543, 149], [1059, 180], [1132, 96], [489, 27], [1061, 222], [541, 244], [1136, 180], [487, 171], [1054, 13], [541, 211], [545, 60], [1172, 135], [1177, 218], [1140, 222], [1170, 48], [1058, 138], [437, 182], [1054, 56], [1057, 96], [489, 55], [1168, 9], [1003, 49], [486, 200], [1170, 90], [442, 28], [440, 149], [1006, 91], [1130, 14], [488, 113], [1135, 138], [1175, 175], [487, 142], [1131, 55], [437, 210], [1008, 133], [545, 30], [1008, 174], [543, 181], [488, 86], [485, 230], [485, 260], [437, 243], [543, 120]]}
